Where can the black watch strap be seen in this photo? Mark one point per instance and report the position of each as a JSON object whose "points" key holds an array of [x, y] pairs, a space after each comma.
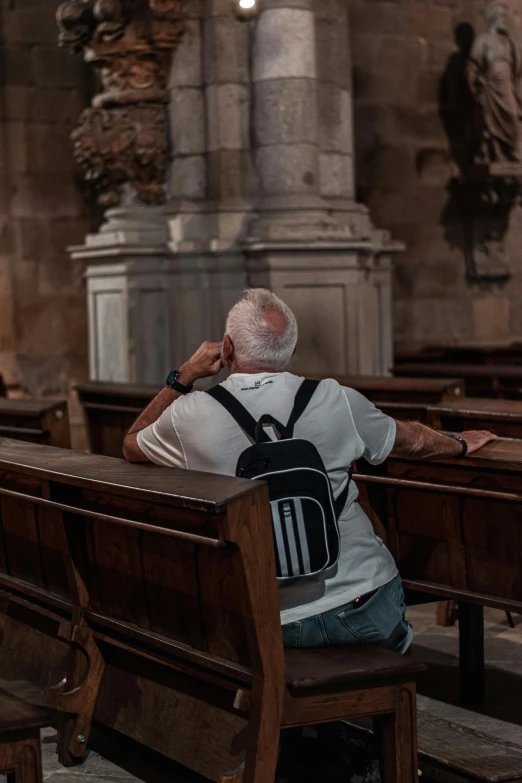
{"points": [[173, 383], [461, 441]]}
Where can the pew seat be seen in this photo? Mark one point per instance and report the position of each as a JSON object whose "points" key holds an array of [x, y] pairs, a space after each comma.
{"points": [[345, 666], [450, 752], [20, 724], [470, 755]]}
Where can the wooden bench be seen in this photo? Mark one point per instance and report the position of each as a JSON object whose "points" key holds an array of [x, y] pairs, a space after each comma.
{"points": [[154, 591], [455, 530], [463, 354], [110, 410], [500, 381], [450, 751], [35, 421], [20, 754], [502, 417], [381, 388]]}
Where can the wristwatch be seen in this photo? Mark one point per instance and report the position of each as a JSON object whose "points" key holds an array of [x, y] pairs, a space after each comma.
{"points": [[461, 441], [173, 383]]}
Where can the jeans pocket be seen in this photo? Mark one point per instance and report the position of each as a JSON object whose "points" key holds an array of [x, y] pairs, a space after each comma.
{"points": [[375, 621], [292, 634]]}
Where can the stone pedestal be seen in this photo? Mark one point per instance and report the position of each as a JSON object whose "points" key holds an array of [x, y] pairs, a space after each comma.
{"points": [[149, 307], [260, 192], [341, 296]]}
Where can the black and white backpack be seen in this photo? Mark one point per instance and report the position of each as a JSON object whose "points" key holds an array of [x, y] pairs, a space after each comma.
{"points": [[305, 515]]}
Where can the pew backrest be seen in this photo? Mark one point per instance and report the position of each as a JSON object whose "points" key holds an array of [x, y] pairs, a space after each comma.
{"points": [[3, 389], [380, 388], [463, 354], [480, 380], [453, 526], [502, 417], [178, 562], [110, 410], [36, 421]]}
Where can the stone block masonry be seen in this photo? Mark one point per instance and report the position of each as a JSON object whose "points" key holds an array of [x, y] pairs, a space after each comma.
{"points": [[43, 336], [404, 51]]}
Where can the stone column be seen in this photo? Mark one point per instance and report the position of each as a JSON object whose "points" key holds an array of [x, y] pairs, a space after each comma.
{"points": [[286, 121], [310, 242], [335, 105]]}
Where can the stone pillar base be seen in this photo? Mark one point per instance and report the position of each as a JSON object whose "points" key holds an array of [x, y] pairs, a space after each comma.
{"points": [[341, 295], [149, 308]]}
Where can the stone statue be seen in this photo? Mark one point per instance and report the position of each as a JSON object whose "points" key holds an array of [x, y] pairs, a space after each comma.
{"points": [[494, 74]]}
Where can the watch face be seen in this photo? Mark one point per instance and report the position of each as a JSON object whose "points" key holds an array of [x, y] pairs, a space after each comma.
{"points": [[172, 377]]}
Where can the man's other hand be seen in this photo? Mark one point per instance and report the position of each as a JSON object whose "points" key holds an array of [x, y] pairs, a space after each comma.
{"points": [[205, 363], [476, 439]]}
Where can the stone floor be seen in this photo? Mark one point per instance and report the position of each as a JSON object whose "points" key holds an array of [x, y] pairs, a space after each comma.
{"points": [[500, 716]]}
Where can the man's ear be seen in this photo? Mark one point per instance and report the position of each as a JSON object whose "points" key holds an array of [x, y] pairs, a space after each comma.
{"points": [[228, 350]]}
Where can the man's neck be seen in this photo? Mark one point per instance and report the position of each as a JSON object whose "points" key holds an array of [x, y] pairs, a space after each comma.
{"points": [[237, 369]]}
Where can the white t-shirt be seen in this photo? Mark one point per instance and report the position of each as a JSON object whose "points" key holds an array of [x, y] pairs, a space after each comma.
{"points": [[197, 433]]}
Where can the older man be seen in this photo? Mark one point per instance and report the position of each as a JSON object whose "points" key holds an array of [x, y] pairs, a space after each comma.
{"points": [[360, 598]]}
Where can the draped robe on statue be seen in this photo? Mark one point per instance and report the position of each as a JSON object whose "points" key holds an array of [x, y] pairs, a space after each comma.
{"points": [[495, 73]]}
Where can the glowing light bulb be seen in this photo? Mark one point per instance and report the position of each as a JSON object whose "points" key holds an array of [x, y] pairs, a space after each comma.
{"points": [[247, 3]]}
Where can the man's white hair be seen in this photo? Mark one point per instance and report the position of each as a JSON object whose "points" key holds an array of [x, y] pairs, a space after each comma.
{"points": [[263, 331]]}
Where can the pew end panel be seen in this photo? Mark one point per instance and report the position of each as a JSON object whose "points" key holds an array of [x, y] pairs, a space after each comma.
{"points": [[150, 581], [36, 421]]}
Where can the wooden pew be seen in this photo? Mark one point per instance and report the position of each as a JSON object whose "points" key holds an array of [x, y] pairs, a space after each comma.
{"points": [[110, 410], [381, 388], [151, 594], [502, 417], [500, 381], [455, 530], [3, 389], [463, 354], [20, 753], [36, 421]]}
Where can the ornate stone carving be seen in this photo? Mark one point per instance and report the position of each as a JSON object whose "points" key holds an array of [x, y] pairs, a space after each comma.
{"points": [[116, 151], [121, 143]]}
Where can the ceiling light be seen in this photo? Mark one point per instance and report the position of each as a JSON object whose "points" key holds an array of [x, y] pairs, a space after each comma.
{"points": [[247, 9]]}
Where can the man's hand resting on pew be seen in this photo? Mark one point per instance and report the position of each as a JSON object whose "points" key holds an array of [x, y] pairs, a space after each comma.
{"points": [[416, 440]]}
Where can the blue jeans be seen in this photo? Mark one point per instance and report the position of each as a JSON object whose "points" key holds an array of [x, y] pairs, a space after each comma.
{"points": [[380, 621]]}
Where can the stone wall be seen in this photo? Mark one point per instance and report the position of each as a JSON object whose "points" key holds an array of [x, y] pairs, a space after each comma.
{"points": [[43, 341], [402, 50]]}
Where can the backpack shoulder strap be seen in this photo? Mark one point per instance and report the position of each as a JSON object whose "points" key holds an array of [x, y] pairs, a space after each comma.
{"points": [[238, 411], [302, 399], [340, 502]]}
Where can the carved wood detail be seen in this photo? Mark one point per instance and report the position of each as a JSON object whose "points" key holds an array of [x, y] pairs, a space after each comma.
{"points": [[121, 142]]}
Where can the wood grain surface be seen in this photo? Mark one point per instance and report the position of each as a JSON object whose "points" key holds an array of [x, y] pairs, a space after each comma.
{"points": [[16, 714]]}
